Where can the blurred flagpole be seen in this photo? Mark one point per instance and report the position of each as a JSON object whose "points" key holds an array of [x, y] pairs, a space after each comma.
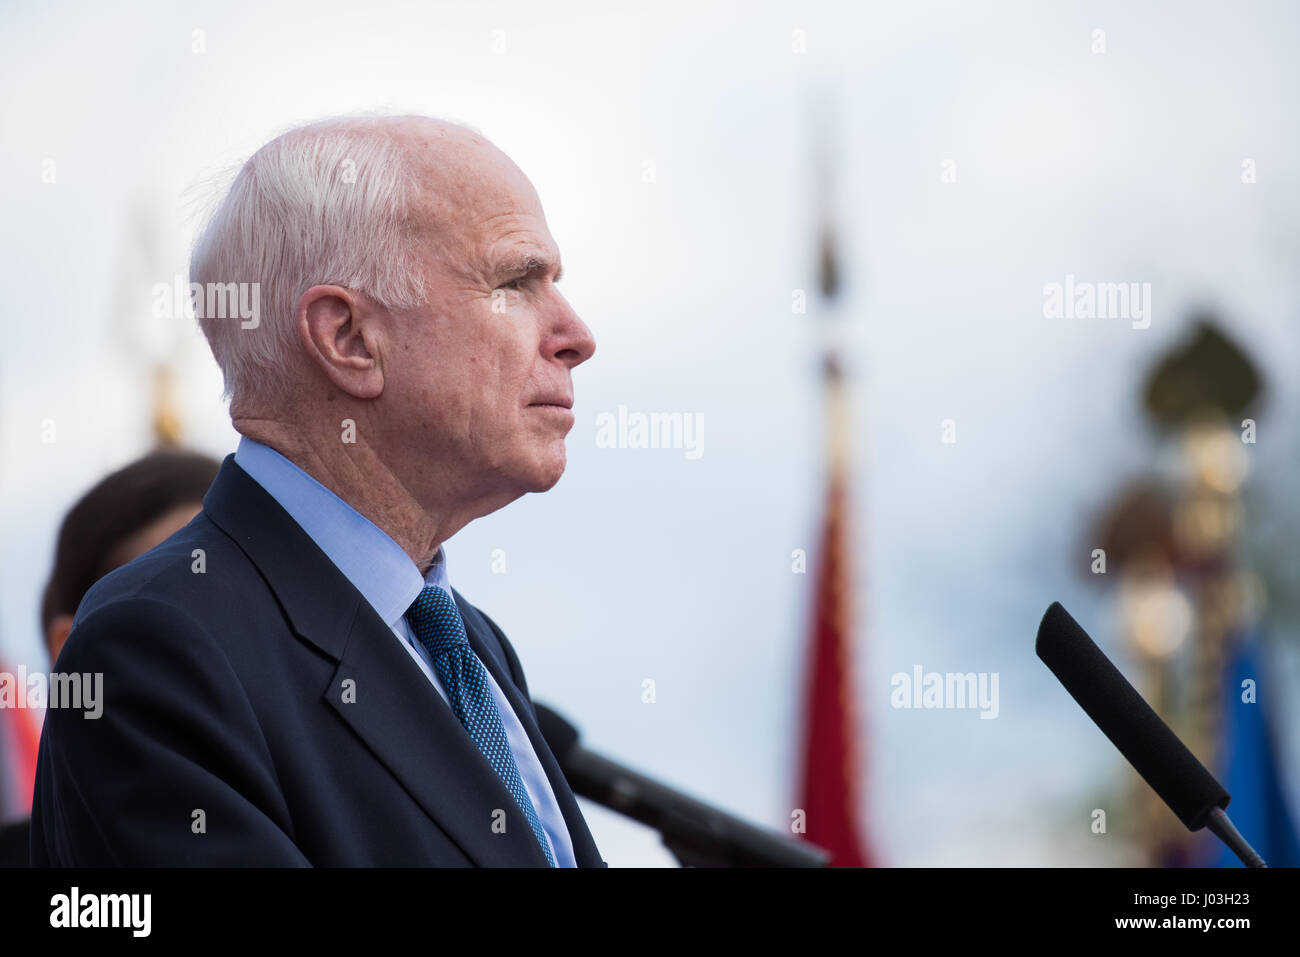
{"points": [[830, 775], [151, 335]]}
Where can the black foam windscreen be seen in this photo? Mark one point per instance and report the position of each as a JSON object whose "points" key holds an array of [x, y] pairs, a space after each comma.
{"points": [[1133, 727]]}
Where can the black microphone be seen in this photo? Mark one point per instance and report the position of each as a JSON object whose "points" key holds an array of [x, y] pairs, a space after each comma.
{"points": [[1157, 754], [697, 834]]}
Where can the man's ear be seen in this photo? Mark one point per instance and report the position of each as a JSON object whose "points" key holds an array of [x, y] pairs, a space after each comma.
{"points": [[341, 334]]}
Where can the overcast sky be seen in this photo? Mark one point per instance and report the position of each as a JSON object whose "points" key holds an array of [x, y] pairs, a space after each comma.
{"points": [[671, 149]]}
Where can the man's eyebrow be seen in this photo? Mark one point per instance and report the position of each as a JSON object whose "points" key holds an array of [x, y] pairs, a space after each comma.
{"points": [[528, 265]]}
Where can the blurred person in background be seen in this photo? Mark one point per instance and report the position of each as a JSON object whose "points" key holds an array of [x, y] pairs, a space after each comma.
{"points": [[122, 517]]}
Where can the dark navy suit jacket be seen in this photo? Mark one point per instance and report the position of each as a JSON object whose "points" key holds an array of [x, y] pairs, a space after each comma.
{"points": [[259, 712]]}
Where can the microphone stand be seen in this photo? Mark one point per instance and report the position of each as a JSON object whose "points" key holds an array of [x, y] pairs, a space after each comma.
{"points": [[1222, 828], [697, 834]]}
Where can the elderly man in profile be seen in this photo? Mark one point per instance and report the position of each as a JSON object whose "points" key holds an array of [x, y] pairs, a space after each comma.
{"points": [[291, 679]]}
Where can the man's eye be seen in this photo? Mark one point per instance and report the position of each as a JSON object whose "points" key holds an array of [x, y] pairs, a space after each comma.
{"points": [[515, 284]]}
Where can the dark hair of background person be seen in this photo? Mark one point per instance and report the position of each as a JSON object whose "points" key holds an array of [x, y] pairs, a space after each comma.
{"points": [[103, 529], [124, 515]]}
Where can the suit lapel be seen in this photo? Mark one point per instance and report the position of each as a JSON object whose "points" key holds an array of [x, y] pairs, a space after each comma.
{"points": [[377, 689], [416, 735], [585, 853]]}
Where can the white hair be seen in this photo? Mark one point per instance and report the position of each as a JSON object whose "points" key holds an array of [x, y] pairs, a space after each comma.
{"points": [[327, 203]]}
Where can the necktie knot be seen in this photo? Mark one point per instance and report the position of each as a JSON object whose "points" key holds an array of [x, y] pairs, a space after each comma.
{"points": [[436, 621]]}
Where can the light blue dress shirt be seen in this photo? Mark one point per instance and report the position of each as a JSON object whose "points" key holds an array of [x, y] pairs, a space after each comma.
{"points": [[390, 581]]}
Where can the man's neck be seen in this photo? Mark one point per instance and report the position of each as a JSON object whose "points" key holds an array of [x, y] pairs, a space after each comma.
{"points": [[360, 477]]}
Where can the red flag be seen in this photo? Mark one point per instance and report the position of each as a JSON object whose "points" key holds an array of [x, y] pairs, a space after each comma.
{"points": [[20, 734], [829, 780]]}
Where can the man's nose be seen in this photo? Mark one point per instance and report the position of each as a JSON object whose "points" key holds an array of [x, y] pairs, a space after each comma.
{"points": [[571, 341]]}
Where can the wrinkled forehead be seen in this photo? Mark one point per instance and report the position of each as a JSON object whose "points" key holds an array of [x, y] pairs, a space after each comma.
{"points": [[471, 198]]}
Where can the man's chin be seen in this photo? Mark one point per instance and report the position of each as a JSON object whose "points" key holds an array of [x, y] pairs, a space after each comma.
{"points": [[547, 481], [548, 473]]}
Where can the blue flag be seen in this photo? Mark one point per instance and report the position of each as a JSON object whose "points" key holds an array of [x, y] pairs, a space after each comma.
{"points": [[1249, 764]]}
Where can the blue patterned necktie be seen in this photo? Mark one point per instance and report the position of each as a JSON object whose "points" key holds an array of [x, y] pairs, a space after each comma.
{"points": [[436, 622]]}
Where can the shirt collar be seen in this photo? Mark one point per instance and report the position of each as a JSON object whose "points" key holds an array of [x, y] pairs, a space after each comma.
{"points": [[375, 564]]}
